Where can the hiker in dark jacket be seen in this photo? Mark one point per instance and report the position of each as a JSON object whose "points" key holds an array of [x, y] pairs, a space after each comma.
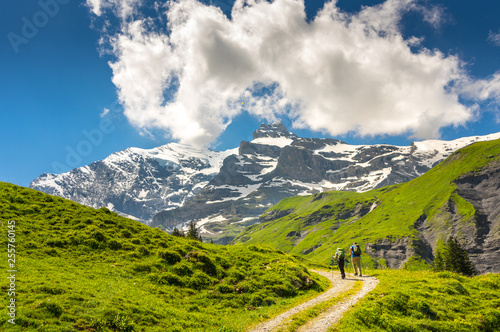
{"points": [[340, 257], [355, 251]]}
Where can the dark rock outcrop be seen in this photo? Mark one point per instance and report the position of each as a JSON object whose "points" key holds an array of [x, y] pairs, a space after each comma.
{"points": [[480, 237]]}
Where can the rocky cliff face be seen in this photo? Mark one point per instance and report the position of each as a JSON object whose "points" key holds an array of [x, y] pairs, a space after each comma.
{"points": [[135, 182], [278, 164], [482, 191], [479, 236]]}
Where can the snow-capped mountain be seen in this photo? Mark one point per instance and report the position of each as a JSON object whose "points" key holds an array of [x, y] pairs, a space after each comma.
{"points": [[224, 191], [138, 183], [278, 164]]}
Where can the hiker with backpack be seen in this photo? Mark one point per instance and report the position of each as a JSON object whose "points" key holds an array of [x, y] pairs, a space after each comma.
{"points": [[340, 257], [355, 251]]}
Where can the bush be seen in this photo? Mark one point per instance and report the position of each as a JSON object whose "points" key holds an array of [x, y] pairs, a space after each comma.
{"points": [[236, 275], [284, 290], [113, 321], [50, 290], [141, 251], [199, 280], [426, 310], [397, 301], [109, 222], [56, 243], [53, 309], [169, 279], [224, 288], [183, 269], [205, 263], [31, 245], [51, 252], [105, 210], [169, 256], [114, 245], [93, 244], [142, 268], [260, 299]]}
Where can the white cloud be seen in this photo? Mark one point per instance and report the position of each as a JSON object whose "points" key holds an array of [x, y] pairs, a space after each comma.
{"points": [[95, 6], [434, 15], [484, 89], [494, 38], [104, 113], [338, 73], [122, 8]]}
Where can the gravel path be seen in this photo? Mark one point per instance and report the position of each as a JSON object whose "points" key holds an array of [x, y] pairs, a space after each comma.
{"points": [[333, 315], [329, 317]]}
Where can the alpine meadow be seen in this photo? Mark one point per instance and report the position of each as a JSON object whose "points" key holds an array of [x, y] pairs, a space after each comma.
{"points": [[250, 166], [80, 269], [84, 269]]}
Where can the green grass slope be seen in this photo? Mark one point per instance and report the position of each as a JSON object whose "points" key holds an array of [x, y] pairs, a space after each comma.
{"points": [[427, 301], [316, 225], [81, 269]]}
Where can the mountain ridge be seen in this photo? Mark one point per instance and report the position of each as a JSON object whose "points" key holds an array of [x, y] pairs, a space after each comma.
{"points": [[279, 165], [136, 182], [399, 224], [174, 184]]}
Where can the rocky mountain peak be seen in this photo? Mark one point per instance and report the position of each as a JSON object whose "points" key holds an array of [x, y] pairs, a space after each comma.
{"points": [[274, 130]]}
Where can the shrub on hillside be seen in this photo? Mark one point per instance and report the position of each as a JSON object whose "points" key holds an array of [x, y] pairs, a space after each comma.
{"points": [[169, 256], [142, 251], [93, 244], [51, 252], [56, 243], [114, 245], [204, 262], [224, 288], [142, 267], [52, 308], [183, 269], [200, 280], [126, 234]]}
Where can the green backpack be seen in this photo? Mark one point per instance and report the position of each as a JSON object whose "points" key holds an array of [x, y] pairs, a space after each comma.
{"points": [[357, 250], [340, 253]]}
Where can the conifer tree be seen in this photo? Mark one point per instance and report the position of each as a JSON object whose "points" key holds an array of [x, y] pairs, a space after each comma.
{"points": [[452, 257], [177, 232], [438, 260], [193, 232]]}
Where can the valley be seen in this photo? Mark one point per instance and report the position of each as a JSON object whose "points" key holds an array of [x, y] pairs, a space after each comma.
{"points": [[90, 269]]}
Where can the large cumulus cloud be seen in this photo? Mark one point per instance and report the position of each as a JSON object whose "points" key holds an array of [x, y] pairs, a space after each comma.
{"points": [[337, 73]]}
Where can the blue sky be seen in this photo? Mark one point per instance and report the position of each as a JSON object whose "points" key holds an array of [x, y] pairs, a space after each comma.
{"points": [[66, 100]]}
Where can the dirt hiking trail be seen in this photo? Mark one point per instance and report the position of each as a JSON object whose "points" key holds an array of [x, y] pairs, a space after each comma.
{"points": [[333, 314]]}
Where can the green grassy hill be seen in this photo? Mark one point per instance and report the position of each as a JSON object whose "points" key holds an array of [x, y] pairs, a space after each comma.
{"points": [[387, 222], [80, 269], [410, 301]]}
